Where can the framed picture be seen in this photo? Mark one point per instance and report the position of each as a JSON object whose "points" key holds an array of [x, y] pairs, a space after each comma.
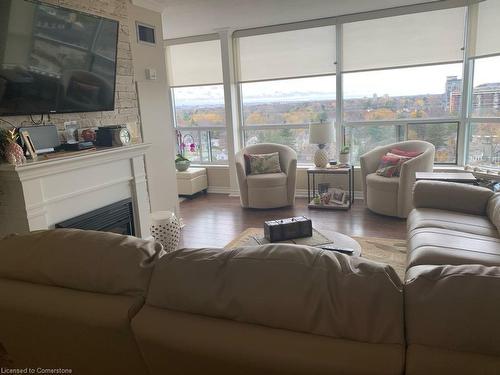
{"points": [[145, 33], [323, 187], [339, 196], [30, 149]]}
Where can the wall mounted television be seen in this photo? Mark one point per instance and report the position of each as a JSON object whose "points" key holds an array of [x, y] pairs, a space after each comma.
{"points": [[55, 60]]}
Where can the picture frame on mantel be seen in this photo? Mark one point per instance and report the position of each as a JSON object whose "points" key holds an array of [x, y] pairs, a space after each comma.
{"points": [[30, 148]]}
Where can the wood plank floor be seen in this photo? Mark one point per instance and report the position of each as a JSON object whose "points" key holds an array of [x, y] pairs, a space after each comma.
{"points": [[213, 220]]}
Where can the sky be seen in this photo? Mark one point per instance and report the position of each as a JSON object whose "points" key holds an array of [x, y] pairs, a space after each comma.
{"points": [[395, 82]]}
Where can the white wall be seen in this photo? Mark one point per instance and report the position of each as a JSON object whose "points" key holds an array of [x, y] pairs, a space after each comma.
{"points": [[154, 110], [194, 17]]}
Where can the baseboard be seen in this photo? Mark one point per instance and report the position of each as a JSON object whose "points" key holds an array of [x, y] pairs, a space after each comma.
{"points": [[219, 190], [299, 193]]}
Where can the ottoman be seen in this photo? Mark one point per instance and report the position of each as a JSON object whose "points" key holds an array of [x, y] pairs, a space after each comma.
{"points": [[192, 181]]}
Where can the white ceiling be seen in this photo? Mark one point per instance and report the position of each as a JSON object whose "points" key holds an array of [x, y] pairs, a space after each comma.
{"points": [[195, 17]]}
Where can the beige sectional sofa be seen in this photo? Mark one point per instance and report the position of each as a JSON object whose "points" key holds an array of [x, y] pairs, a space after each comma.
{"points": [[101, 303], [452, 298]]}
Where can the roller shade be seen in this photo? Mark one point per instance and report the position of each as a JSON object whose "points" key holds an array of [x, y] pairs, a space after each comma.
{"points": [[296, 53], [194, 63], [407, 40], [485, 28]]}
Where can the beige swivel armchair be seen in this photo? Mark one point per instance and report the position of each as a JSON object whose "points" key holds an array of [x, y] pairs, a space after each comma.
{"points": [[269, 190], [392, 196]]}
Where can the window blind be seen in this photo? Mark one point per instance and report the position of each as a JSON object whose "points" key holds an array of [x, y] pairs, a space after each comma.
{"points": [[406, 40], [485, 28], [196, 63], [297, 53]]}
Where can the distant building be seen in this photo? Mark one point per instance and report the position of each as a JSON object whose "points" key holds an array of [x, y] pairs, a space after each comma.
{"points": [[485, 97], [453, 87]]}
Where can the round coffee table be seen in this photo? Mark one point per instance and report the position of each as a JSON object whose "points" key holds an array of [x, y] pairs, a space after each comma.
{"points": [[342, 240]]}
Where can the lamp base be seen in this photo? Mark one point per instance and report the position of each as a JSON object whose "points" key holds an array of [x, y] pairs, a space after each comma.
{"points": [[321, 158]]}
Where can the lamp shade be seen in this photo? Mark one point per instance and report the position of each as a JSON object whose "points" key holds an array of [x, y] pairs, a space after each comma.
{"points": [[320, 134]]}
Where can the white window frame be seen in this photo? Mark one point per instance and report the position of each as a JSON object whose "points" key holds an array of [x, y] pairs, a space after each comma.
{"points": [[233, 87], [196, 129]]}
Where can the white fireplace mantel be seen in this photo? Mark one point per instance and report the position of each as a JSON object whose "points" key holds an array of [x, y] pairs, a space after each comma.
{"points": [[41, 193]]}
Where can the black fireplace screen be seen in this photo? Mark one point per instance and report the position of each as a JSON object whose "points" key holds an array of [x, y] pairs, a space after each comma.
{"points": [[117, 218]]}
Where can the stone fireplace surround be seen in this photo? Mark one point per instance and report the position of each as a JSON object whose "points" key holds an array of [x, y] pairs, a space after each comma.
{"points": [[42, 193]]}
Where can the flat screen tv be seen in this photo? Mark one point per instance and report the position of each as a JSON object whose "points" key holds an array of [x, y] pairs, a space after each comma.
{"points": [[55, 60]]}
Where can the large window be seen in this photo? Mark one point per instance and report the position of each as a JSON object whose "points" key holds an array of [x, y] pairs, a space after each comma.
{"points": [[484, 105], [287, 81], [195, 75], [280, 111], [401, 74], [404, 93]]}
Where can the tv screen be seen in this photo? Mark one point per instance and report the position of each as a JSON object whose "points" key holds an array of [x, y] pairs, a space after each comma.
{"points": [[55, 60]]}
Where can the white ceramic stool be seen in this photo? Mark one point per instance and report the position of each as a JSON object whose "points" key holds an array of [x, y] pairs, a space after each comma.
{"points": [[165, 229]]}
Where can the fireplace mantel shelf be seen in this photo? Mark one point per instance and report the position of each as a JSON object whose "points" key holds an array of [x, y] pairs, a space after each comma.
{"points": [[43, 192], [41, 166]]}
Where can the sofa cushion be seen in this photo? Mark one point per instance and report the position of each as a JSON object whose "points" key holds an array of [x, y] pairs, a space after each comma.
{"points": [[180, 343], [390, 184], [84, 260], [435, 218], [437, 246], [266, 180], [51, 327], [493, 210], [292, 287], [454, 307]]}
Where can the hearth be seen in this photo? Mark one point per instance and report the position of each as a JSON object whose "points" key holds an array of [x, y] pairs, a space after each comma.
{"points": [[117, 218]]}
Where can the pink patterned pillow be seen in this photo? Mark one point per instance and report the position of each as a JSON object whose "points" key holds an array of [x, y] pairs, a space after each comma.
{"points": [[408, 154], [390, 165]]}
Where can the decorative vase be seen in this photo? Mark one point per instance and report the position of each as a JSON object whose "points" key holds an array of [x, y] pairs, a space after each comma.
{"points": [[344, 158], [14, 154], [321, 157], [182, 165], [166, 229]]}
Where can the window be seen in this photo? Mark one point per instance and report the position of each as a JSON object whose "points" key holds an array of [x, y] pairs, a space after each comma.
{"points": [[443, 135], [364, 138], [195, 77], [486, 87], [404, 93], [287, 81], [484, 145], [484, 105], [398, 74]]}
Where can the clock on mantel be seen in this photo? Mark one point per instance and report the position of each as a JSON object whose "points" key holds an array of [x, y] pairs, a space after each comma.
{"points": [[112, 136]]}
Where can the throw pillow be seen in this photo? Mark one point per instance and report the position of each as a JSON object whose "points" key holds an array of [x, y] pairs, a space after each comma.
{"points": [[409, 154], [265, 163], [390, 165]]}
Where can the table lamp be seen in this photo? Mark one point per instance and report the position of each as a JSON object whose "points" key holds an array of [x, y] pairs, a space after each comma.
{"points": [[321, 134]]}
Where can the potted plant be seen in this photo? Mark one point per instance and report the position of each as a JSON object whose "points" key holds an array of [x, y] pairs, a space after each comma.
{"points": [[10, 151], [344, 155], [184, 143]]}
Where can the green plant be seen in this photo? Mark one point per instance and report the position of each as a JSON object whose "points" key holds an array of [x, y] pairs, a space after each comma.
{"points": [[179, 157], [344, 150]]}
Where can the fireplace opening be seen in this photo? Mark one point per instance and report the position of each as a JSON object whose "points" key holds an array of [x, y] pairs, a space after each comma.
{"points": [[117, 218]]}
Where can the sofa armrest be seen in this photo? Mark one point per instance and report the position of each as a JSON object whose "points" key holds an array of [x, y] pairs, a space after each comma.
{"points": [[453, 307], [451, 196]]}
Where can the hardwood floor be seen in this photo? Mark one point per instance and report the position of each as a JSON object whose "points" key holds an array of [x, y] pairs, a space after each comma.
{"points": [[213, 220]]}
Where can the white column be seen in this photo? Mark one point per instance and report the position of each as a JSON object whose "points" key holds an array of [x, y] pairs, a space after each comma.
{"points": [[231, 104]]}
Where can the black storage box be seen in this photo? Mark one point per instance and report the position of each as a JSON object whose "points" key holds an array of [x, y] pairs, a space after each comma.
{"points": [[287, 229]]}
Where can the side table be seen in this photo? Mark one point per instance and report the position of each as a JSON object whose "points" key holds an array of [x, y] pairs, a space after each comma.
{"points": [[311, 186]]}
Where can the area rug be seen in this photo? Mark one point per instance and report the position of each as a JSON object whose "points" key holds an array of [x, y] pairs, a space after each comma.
{"points": [[382, 250]]}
